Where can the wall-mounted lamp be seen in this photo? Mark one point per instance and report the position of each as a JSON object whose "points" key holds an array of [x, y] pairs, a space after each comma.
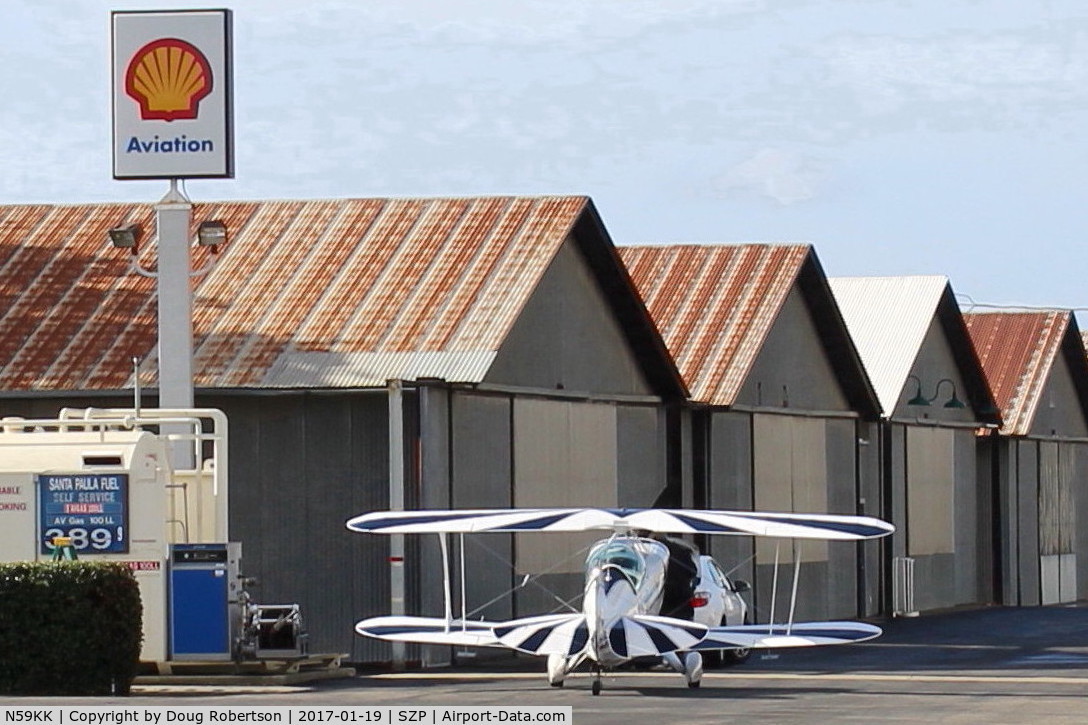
{"points": [[127, 237], [919, 399], [953, 402]]}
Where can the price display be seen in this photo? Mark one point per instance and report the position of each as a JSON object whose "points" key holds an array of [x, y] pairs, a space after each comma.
{"points": [[91, 509]]}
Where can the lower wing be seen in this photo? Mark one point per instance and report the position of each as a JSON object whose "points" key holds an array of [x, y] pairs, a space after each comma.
{"points": [[802, 634], [429, 630]]}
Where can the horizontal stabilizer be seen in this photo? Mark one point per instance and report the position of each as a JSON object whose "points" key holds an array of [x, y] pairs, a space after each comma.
{"points": [[802, 634], [429, 630], [558, 634], [644, 635]]}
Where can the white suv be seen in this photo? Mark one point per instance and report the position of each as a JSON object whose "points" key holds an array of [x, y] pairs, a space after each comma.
{"points": [[717, 601]]}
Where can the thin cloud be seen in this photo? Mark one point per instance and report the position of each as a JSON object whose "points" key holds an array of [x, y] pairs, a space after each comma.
{"points": [[784, 176]]}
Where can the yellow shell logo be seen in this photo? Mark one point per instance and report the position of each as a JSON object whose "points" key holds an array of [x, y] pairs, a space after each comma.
{"points": [[168, 78]]}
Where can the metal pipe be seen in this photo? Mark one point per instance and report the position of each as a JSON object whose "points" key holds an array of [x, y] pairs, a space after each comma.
{"points": [[396, 503], [126, 418]]}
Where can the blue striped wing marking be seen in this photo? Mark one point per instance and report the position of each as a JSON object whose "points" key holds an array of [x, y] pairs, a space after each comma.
{"points": [[563, 634], [428, 630], [645, 635], [785, 525], [801, 634]]}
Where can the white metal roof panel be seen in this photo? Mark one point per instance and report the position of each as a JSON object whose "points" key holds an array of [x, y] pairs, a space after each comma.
{"points": [[371, 369], [888, 317]]}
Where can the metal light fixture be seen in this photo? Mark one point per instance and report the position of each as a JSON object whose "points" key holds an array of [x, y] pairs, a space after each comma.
{"points": [[953, 402], [918, 398], [126, 237], [211, 233]]}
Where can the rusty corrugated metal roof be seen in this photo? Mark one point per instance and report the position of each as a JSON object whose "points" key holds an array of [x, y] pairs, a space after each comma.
{"points": [[714, 305], [305, 293], [1017, 350]]}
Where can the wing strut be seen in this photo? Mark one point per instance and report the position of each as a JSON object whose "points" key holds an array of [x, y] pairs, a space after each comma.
{"points": [[796, 576], [447, 594], [774, 589], [464, 592], [793, 592]]}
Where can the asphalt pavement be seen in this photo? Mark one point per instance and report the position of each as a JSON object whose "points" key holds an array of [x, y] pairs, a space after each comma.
{"points": [[995, 665]]}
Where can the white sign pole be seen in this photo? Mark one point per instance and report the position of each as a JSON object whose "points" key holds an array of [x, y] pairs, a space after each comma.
{"points": [[172, 119], [173, 218]]}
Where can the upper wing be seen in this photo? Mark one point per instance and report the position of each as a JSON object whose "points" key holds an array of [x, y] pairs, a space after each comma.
{"points": [[801, 634], [666, 521]]}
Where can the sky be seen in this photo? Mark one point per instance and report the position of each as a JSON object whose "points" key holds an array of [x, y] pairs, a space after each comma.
{"points": [[896, 136]]}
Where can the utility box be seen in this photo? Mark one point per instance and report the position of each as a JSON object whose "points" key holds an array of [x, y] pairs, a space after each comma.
{"points": [[205, 588]]}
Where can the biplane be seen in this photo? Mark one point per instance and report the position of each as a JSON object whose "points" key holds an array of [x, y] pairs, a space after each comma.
{"points": [[625, 575]]}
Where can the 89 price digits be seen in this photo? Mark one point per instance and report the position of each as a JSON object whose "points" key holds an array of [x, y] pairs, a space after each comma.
{"points": [[82, 538]]}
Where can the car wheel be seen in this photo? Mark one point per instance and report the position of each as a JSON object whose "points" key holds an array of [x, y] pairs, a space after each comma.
{"points": [[739, 655], [714, 658]]}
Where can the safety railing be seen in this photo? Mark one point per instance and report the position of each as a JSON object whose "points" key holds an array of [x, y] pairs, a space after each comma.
{"points": [[903, 587]]}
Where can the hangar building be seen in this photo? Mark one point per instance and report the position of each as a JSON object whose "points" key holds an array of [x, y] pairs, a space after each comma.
{"points": [[369, 353], [780, 401]]}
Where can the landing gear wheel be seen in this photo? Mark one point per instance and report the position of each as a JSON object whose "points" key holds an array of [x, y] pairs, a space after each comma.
{"points": [[596, 689], [694, 685], [556, 684]]}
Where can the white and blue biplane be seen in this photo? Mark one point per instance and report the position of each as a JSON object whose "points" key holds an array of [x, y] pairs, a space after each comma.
{"points": [[624, 585]]}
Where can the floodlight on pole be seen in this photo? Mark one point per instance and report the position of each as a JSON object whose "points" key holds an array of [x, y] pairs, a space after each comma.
{"points": [[126, 237], [211, 233]]}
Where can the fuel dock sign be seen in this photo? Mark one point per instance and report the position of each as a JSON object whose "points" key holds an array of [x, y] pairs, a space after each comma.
{"points": [[172, 95]]}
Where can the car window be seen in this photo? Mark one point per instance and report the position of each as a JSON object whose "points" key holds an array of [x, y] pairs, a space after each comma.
{"points": [[717, 574]]}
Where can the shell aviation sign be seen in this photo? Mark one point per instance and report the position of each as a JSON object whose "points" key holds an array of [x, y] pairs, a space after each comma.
{"points": [[168, 78], [172, 95]]}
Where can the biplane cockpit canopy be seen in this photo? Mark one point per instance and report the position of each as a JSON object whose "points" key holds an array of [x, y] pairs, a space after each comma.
{"points": [[628, 556]]}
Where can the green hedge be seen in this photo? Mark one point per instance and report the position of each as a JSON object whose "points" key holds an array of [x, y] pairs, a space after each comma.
{"points": [[68, 628]]}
